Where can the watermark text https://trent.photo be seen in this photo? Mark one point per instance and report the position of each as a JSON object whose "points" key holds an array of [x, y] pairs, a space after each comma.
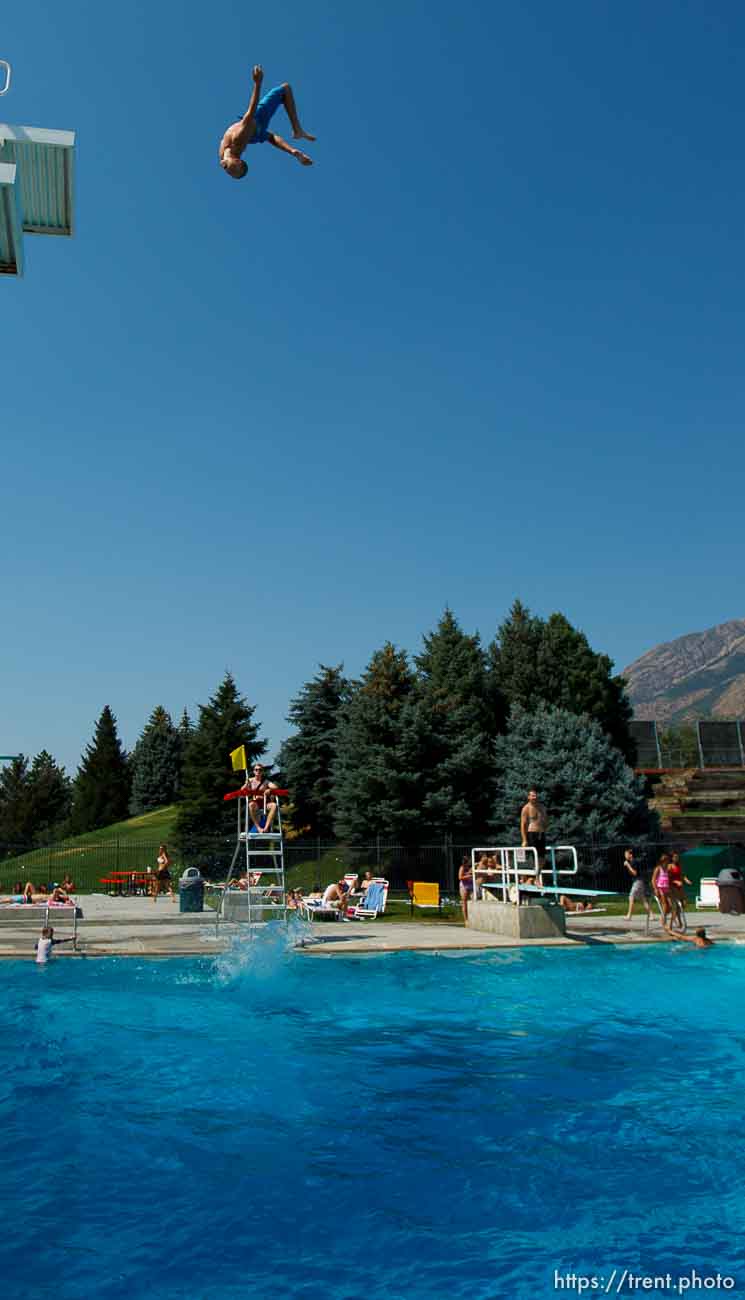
{"points": [[618, 1281]]}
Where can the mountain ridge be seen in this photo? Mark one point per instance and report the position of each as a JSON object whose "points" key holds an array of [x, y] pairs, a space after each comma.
{"points": [[698, 675]]}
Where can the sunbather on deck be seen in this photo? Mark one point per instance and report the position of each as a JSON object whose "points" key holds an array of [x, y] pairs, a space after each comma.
{"points": [[335, 895], [574, 905]]}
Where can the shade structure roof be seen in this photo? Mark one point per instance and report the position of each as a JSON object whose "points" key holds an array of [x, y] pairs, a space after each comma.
{"points": [[38, 195]]}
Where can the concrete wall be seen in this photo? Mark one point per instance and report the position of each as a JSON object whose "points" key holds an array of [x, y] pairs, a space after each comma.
{"points": [[529, 921]]}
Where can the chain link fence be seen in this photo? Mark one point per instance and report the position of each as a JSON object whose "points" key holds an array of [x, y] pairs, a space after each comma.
{"points": [[311, 863]]}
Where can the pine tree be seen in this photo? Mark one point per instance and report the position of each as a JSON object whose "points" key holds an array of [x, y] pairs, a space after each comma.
{"points": [[573, 676], [369, 797], [16, 818], [581, 777], [101, 789], [224, 723], [306, 759], [513, 656], [50, 798], [448, 725], [538, 662], [155, 764]]}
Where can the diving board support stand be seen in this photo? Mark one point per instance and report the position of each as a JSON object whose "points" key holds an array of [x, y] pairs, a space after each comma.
{"points": [[525, 910]]}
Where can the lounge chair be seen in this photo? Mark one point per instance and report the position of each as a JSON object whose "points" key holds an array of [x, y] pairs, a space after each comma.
{"points": [[374, 901], [425, 894], [709, 892]]}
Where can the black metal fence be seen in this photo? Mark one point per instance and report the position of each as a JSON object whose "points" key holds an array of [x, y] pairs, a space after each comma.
{"points": [[309, 862]]}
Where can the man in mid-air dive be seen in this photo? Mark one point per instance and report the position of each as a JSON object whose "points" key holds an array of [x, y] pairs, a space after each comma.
{"points": [[252, 128]]}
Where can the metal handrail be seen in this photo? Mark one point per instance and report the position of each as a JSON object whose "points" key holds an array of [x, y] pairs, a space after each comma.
{"points": [[512, 855], [5, 66]]}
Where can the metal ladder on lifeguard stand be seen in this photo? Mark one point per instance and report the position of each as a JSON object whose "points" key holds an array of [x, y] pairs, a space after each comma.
{"points": [[256, 849]]}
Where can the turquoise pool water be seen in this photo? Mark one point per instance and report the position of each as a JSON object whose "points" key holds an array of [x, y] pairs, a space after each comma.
{"points": [[272, 1124]]}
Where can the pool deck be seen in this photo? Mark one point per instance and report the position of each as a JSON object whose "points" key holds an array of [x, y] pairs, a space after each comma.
{"points": [[137, 927]]}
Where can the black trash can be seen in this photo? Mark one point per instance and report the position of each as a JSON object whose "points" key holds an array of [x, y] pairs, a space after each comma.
{"points": [[731, 891], [191, 891]]}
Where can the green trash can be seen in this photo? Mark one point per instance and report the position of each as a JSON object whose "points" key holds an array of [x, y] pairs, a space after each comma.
{"points": [[191, 891]]}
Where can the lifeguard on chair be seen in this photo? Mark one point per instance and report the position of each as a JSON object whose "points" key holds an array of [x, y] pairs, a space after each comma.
{"points": [[262, 808]]}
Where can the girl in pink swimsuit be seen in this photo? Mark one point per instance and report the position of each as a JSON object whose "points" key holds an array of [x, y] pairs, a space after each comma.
{"points": [[661, 883]]}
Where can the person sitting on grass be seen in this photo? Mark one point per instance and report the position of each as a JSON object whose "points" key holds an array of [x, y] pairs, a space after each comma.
{"points": [[67, 883], [699, 938], [45, 945]]}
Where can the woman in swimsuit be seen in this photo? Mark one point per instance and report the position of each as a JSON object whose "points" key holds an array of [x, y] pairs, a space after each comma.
{"points": [[465, 884], [163, 875]]}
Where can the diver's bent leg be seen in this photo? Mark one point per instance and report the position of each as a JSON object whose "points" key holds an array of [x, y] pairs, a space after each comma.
{"points": [[291, 110]]}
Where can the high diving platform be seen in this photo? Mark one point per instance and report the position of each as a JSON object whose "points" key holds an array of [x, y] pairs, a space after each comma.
{"points": [[36, 185]]}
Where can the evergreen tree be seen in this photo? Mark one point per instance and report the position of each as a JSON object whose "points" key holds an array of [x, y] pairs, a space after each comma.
{"points": [[16, 818], [573, 676], [448, 725], [369, 794], [101, 790], [224, 723], [536, 662], [513, 657], [155, 764], [589, 791], [306, 758], [50, 798]]}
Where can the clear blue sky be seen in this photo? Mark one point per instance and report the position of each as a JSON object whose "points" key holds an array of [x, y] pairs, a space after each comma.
{"points": [[489, 346]]}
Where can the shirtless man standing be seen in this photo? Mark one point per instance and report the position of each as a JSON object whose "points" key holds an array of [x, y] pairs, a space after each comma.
{"points": [[533, 825], [252, 128]]}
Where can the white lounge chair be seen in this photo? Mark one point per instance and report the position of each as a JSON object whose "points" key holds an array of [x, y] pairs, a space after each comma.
{"points": [[374, 901], [709, 895]]}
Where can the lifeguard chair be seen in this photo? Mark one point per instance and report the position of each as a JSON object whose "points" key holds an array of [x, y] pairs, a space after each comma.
{"points": [[36, 184], [260, 854]]}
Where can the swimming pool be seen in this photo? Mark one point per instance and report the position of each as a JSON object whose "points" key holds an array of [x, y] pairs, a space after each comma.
{"points": [[418, 1125]]}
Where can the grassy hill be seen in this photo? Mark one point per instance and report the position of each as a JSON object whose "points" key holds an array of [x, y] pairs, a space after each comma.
{"points": [[126, 846]]}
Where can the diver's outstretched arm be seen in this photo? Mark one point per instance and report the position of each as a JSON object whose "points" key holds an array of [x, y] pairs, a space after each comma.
{"points": [[242, 137], [279, 143]]}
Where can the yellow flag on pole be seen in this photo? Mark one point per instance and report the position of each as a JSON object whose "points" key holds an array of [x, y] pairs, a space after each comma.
{"points": [[238, 758]]}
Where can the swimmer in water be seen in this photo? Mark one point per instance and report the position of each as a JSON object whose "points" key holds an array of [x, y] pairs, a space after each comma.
{"points": [[46, 944], [698, 938]]}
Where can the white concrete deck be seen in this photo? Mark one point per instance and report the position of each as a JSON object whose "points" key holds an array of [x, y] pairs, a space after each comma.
{"points": [[140, 927]]}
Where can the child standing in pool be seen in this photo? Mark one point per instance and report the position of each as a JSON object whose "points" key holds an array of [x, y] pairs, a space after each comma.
{"points": [[46, 944]]}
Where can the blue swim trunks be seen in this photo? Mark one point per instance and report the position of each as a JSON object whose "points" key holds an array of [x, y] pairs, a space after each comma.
{"points": [[265, 110]]}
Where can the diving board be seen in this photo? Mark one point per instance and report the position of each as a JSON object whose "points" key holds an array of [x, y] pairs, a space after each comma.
{"points": [[555, 889], [36, 188]]}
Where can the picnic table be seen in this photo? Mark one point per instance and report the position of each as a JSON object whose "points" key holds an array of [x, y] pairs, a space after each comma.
{"points": [[128, 882]]}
